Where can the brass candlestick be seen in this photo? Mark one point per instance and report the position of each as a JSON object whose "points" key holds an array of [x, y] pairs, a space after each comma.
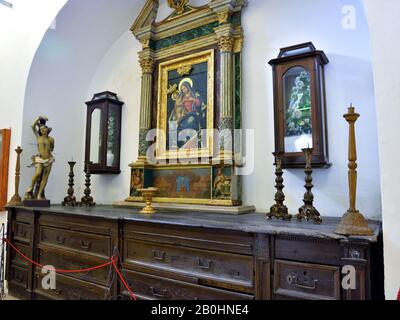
{"points": [[16, 198], [279, 210], [308, 211], [70, 200], [353, 222], [148, 195], [87, 200]]}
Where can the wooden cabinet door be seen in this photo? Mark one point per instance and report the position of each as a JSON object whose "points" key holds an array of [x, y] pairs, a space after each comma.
{"points": [[5, 136]]}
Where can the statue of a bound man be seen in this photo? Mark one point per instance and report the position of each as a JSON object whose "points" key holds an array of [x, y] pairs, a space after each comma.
{"points": [[43, 161]]}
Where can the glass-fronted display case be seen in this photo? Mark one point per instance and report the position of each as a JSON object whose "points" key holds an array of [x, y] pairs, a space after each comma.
{"points": [[103, 133], [299, 104]]}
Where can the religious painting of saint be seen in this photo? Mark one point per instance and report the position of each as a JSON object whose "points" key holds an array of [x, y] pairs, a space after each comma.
{"points": [[186, 106]]}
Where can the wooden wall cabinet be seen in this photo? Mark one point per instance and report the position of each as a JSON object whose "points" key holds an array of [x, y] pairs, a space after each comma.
{"points": [[299, 105], [103, 133]]}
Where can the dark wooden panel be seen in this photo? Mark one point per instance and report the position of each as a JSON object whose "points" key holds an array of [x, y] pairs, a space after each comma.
{"points": [[16, 259], [79, 223], [148, 287], [23, 231], [65, 260], [68, 289], [306, 249], [215, 268], [217, 240], [18, 276], [306, 281], [83, 242]]}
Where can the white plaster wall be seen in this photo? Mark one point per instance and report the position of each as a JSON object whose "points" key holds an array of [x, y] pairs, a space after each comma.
{"points": [[384, 27], [120, 72], [270, 25], [58, 84], [21, 31]]}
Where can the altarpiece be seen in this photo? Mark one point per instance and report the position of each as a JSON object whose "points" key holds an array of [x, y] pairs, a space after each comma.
{"points": [[191, 98]]}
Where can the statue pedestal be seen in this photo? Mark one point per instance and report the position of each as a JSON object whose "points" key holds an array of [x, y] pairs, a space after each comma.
{"points": [[37, 203]]}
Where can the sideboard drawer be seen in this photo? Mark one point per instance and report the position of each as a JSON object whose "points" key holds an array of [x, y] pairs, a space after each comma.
{"points": [[23, 231], [16, 258], [151, 287], [69, 289], [201, 238], [84, 242], [18, 276], [65, 260], [225, 270], [294, 280]]}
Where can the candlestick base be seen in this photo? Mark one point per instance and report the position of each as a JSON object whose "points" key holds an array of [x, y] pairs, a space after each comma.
{"points": [[279, 212], [354, 224], [309, 212], [15, 201]]}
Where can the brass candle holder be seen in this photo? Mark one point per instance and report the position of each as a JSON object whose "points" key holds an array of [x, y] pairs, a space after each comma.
{"points": [[87, 200], [279, 210], [16, 199], [148, 195], [70, 199], [353, 222], [308, 211]]}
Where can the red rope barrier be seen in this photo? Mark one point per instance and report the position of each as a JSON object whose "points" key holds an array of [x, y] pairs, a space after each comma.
{"points": [[58, 270], [123, 280], [112, 262]]}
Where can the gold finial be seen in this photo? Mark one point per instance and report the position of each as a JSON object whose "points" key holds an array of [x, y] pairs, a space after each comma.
{"points": [[178, 5]]}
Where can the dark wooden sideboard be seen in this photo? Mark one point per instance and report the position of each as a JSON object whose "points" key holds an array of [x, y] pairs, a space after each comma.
{"points": [[196, 256]]}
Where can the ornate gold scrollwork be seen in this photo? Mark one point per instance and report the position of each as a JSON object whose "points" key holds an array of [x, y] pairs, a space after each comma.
{"points": [[147, 65], [225, 43], [184, 70], [223, 17], [145, 43], [178, 5]]}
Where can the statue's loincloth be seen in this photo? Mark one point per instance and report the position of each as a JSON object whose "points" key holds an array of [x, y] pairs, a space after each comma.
{"points": [[37, 160]]}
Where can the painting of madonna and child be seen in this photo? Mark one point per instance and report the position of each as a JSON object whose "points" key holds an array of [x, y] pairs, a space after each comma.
{"points": [[187, 109]]}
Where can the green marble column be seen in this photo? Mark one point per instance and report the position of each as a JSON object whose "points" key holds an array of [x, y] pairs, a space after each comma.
{"points": [[226, 121], [147, 65]]}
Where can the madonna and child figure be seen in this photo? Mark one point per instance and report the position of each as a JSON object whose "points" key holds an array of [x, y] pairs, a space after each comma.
{"points": [[43, 161], [188, 113]]}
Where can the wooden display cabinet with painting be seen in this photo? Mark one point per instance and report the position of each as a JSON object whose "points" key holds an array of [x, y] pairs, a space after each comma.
{"points": [[299, 104]]}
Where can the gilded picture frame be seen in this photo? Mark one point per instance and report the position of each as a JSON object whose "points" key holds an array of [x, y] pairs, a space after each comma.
{"points": [[186, 105]]}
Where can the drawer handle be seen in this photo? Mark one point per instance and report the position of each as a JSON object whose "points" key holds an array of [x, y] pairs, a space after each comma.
{"points": [[157, 255], [204, 266], [85, 246], [57, 292], [295, 280], [60, 240], [158, 294]]}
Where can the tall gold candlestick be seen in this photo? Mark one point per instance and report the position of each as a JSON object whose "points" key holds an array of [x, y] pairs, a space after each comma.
{"points": [[353, 222], [16, 199]]}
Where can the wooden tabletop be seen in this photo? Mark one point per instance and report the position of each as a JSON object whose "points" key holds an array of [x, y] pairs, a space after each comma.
{"points": [[250, 223]]}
